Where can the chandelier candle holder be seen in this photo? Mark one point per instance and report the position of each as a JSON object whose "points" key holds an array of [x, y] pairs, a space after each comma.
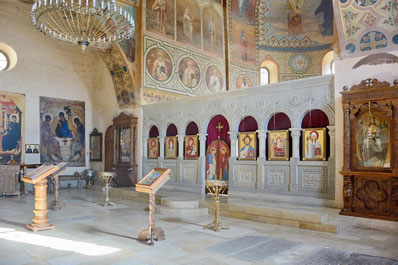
{"points": [[98, 24], [216, 189]]}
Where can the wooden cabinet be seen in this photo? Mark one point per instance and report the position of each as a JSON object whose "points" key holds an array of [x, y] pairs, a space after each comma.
{"points": [[9, 179], [370, 168], [124, 155]]}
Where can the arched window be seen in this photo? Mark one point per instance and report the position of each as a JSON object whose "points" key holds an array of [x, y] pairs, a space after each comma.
{"points": [[8, 57], [269, 72], [3, 61], [264, 76], [328, 63]]}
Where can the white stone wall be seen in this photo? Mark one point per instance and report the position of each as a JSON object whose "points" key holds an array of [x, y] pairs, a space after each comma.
{"points": [[52, 69], [294, 98]]}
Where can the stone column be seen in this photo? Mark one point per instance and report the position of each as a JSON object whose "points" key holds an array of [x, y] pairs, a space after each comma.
{"points": [[294, 160], [295, 132], [234, 139], [262, 136], [161, 146], [145, 147], [180, 158], [180, 146], [234, 142], [332, 137], [161, 150], [202, 163]]}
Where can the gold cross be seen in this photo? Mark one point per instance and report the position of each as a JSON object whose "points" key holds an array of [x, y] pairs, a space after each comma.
{"points": [[219, 127]]}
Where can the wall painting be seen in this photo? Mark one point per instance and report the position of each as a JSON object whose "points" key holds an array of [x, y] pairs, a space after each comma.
{"points": [[212, 32], [188, 22], [243, 81], [62, 131], [243, 48], [189, 72], [160, 17], [214, 79], [12, 122], [159, 64]]}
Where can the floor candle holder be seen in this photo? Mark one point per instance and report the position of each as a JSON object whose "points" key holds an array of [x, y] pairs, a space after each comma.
{"points": [[106, 178], [216, 188]]}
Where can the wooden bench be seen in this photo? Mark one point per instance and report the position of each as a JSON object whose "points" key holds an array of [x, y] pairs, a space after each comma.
{"points": [[77, 176]]}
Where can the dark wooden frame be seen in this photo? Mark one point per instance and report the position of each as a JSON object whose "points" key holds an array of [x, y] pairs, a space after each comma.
{"points": [[380, 201], [126, 172], [95, 134]]}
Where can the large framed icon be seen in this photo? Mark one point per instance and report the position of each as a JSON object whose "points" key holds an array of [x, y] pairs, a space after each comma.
{"points": [[171, 147], [314, 144], [95, 145], [247, 146], [153, 148], [191, 147], [278, 145]]}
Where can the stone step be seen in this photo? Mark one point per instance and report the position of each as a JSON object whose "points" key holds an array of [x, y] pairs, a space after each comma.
{"points": [[305, 219], [179, 202], [181, 212]]}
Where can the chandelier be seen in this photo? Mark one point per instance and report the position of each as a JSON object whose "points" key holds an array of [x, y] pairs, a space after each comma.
{"points": [[88, 23]]}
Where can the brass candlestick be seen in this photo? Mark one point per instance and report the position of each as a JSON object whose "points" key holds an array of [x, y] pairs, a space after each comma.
{"points": [[106, 178], [216, 188]]}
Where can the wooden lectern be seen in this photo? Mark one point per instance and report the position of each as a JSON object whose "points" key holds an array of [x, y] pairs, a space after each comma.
{"points": [[150, 184], [38, 178]]}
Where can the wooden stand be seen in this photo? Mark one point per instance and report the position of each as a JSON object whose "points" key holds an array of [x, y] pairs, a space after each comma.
{"points": [[150, 184], [151, 232], [216, 188], [39, 179], [106, 178], [40, 221]]}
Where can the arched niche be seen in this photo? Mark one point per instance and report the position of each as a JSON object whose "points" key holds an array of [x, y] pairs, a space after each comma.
{"points": [[248, 124], [213, 132], [171, 130], [279, 121], [154, 132], [315, 119], [192, 129]]}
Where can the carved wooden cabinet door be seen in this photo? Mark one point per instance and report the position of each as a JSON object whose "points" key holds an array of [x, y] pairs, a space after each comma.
{"points": [[124, 156], [370, 168]]}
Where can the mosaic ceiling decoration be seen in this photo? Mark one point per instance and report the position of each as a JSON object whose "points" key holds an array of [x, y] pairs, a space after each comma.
{"points": [[126, 94], [366, 26], [295, 24]]}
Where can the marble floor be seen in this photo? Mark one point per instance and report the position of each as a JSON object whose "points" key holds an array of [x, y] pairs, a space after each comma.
{"points": [[87, 233]]}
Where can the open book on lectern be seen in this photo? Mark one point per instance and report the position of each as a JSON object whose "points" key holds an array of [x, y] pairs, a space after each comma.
{"points": [[44, 171]]}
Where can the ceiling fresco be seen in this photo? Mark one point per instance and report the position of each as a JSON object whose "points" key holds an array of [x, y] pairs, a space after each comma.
{"points": [[366, 26], [295, 24]]}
